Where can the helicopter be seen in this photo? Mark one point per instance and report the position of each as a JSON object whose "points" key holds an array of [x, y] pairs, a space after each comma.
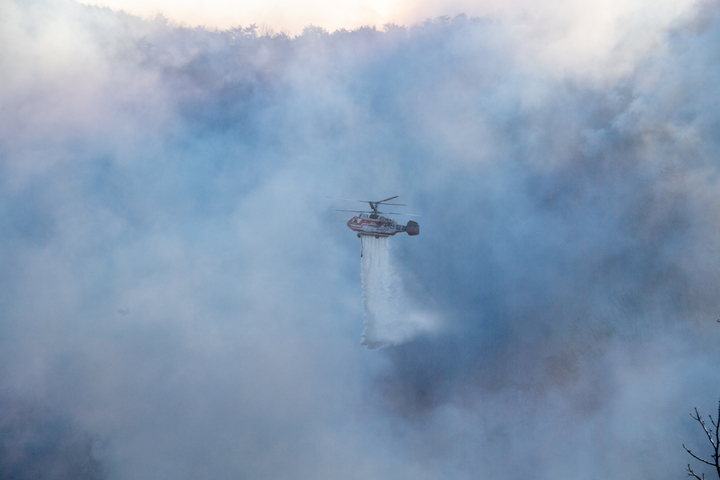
{"points": [[373, 223]]}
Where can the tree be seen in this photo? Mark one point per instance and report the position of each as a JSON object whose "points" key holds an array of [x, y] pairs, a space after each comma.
{"points": [[714, 438]]}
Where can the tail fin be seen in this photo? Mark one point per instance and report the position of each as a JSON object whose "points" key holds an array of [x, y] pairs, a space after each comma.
{"points": [[413, 228]]}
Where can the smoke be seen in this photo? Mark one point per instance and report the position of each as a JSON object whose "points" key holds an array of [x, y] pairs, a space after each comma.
{"points": [[390, 318], [173, 279], [34, 443]]}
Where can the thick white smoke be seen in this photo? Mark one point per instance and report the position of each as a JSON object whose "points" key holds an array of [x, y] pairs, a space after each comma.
{"points": [[389, 317]]}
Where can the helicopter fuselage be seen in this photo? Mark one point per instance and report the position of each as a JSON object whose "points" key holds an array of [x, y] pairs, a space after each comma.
{"points": [[375, 225]]}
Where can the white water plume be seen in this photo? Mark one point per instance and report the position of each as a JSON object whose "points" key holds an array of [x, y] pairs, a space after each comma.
{"points": [[389, 318]]}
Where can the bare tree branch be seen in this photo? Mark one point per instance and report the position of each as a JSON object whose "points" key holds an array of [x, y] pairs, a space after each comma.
{"points": [[699, 418], [696, 457], [717, 441], [713, 435], [693, 474], [713, 423]]}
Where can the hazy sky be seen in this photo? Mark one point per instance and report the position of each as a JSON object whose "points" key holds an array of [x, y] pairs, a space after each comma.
{"points": [[589, 21], [179, 298]]}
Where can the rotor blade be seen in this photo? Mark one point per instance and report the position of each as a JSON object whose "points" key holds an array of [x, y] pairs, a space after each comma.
{"points": [[353, 211], [394, 213], [370, 201]]}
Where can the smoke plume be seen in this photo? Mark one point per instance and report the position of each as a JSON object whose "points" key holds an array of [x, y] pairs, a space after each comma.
{"points": [[174, 281], [35, 443]]}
